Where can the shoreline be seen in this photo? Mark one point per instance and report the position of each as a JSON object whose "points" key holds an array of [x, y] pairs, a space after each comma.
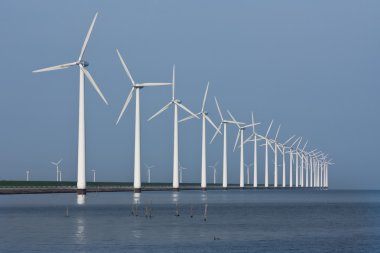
{"points": [[68, 187]]}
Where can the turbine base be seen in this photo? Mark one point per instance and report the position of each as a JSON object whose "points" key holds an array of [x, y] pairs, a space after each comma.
{"points": [[137, 190], [81, 191], [175, 189], [203, 189]]}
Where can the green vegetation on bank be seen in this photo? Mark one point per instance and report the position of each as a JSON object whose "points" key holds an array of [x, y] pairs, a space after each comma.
{"points": [[35, 184]]}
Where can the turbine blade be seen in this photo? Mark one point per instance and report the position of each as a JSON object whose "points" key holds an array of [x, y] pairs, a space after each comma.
{"points": [[217, 106], [173, 83], [154, 84], [212, 123], [92, 81], [278, 130], [186, 109], [205, 97], [125, 68], [87, 38], [216, 133], [269, 128], [125, 104], [237, 139], [58, 67], [286, 142], [304, 146], [160, 111], [234, 120], [187, 118], [253, 123]]}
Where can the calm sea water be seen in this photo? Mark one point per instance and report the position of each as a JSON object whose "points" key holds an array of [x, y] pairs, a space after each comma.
{"points": [[237, 221]]}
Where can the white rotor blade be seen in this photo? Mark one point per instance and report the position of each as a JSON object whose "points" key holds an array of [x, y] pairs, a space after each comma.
{"points": [[304, 146], [154, 84], [59, 161], [217, 106], [186, 109], [270, 145], [204, 97], [278, 130], [87, 38], [299, 143], [187, 118], [173, 83], [161, 110], [253, 123], [237, 139], [125, 104], [269, 128], [58, 67], [216, 133], [92, 81], [212, 123], [286, 142], [125, 68], [234, 120], [248, 139]]}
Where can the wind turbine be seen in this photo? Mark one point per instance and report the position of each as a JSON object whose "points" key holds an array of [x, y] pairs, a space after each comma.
{"points": [[94, 175], [27, 175], [56, 164], [254, 135], [60, 176], [136, 88], [275, 157], [82, 64], [247, 169], [241, 128], [301, 155], [214, 167], [266, 154], [224, 123], [203, 113], [148, 168], [181, 168], [175, 103], [291, 152], [282, 148], [297, 155]]}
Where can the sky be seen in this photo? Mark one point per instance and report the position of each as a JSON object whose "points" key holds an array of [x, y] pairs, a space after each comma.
{"points": [[311, 66]]}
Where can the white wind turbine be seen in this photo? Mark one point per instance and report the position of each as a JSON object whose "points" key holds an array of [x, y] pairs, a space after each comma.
{"points": [[175, 103], [240, 134], [275, 148], [225, 163], [248, 166], [181, 168], [282, 148], [254, 138], [148, 169], [136, 88], [82, 64], [214, 168], [301, 156], [56, 164], [94, 175], [291, 153], [266, 154], [297, 163], [203, 113], [27, 175]]}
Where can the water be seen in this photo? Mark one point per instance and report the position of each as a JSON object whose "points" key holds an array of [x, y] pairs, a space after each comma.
{"points": [[237, 221]]}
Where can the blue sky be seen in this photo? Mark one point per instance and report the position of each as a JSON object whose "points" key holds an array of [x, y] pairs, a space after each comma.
{"points": [[310, 65]]}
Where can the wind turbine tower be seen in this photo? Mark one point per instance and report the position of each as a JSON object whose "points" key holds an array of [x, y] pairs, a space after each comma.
{"points": [[82, 64], [136, 87]]}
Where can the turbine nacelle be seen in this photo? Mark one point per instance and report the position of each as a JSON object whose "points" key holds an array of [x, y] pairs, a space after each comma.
{"points": [[83, 63]]}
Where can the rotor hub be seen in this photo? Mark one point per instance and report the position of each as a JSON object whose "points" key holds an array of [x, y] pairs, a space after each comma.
{"points": [[84, 63]]}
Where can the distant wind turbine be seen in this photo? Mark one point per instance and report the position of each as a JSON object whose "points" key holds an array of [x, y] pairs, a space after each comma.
{"points": [[225, 156], [175, 103], [148, 168], [82, 64], [214, 168], [203, 113], [56, 164]]}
